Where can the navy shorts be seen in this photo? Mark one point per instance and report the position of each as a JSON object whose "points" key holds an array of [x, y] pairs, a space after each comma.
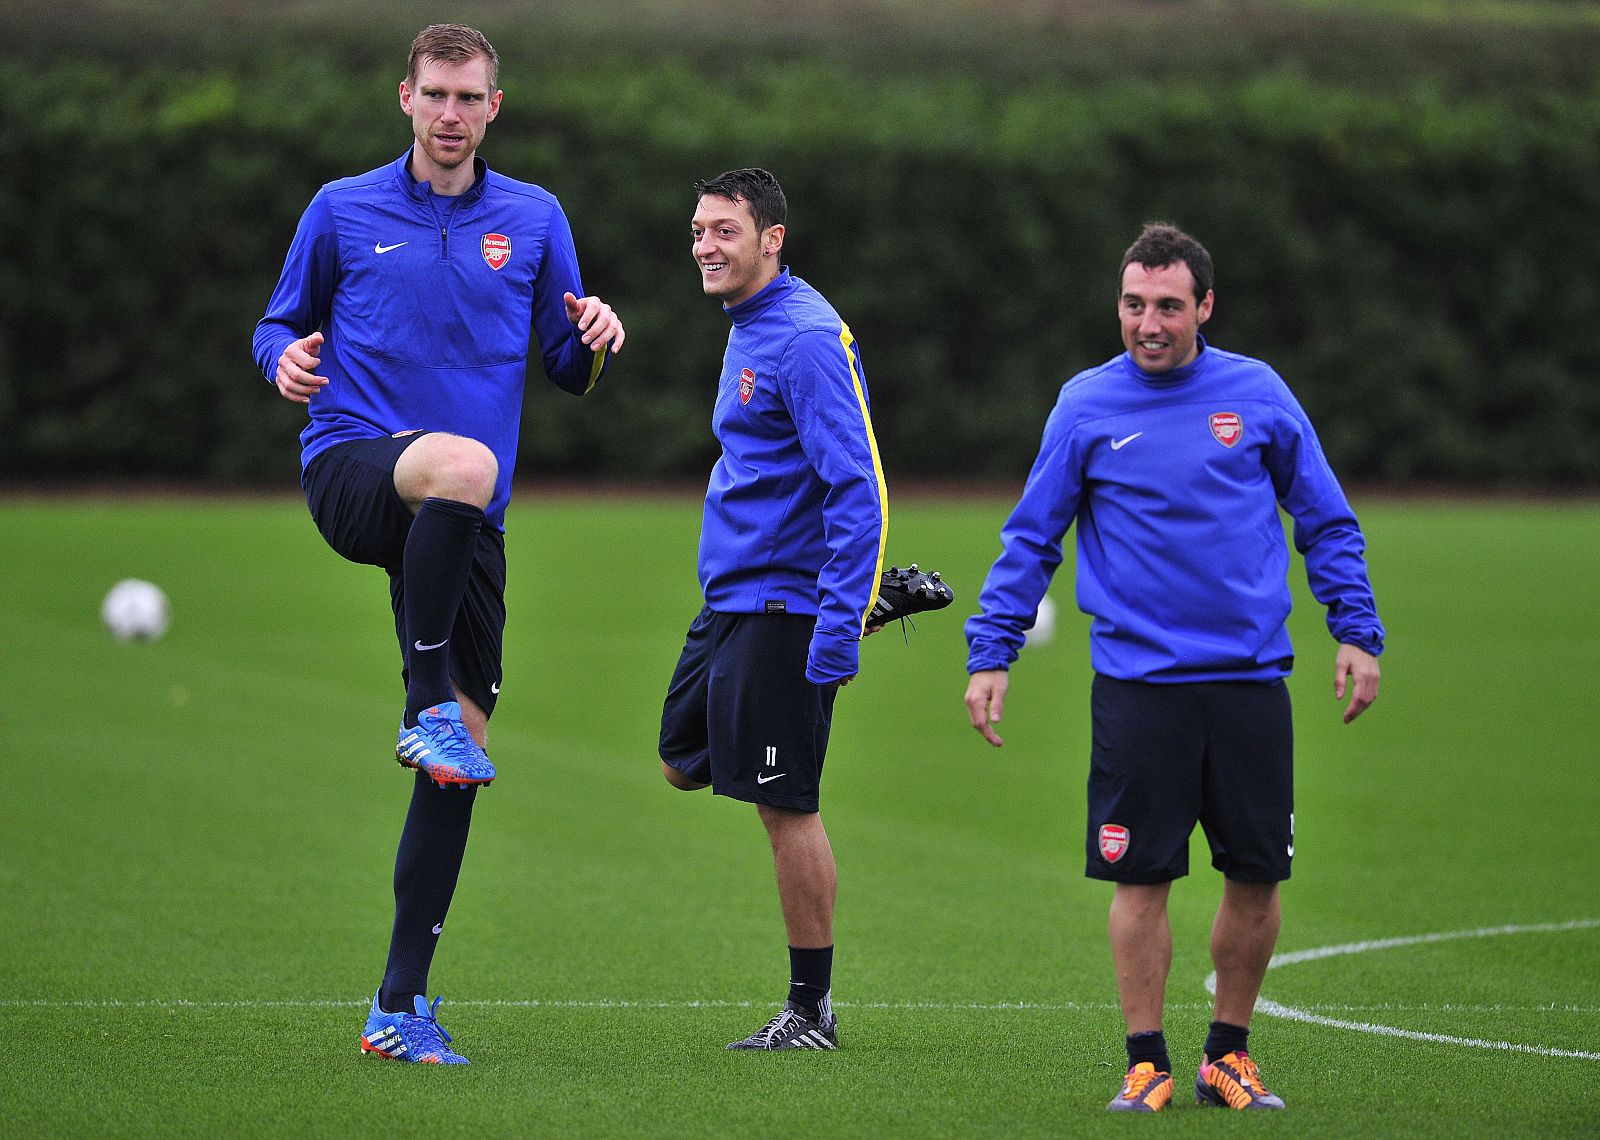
{"points": [[740, 714], [350, 490], [1167, 756]]}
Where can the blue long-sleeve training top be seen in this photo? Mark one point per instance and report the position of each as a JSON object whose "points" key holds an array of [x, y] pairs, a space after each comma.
{"points": [[796, 512], [426, 305], [1175, 481]]}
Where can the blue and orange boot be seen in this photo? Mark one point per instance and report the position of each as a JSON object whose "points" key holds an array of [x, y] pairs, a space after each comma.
{"points": [[416, 1037], [442, 749], [1232, 1081], [1144, 1089]]}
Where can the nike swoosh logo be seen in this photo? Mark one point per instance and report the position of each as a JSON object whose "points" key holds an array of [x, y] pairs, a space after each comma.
{"points": [[495, 688], [425, 648], [438, 928], [1119, 444], [769, 779], [381, 248], [1291, 850]]}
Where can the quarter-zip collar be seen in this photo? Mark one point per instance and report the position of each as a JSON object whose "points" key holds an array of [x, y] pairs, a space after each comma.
{"points": [[420, 191]]}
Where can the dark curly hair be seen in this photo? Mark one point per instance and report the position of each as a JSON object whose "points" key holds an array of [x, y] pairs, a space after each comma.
{"points": [[1161, 244], [753, 185]]}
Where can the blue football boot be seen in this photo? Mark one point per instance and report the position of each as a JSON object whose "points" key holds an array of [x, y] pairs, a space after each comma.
{"points": [[441, 748], [416, 1037]]}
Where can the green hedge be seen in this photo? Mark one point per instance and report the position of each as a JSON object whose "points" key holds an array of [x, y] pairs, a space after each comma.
{"points": [[1419, 265]]}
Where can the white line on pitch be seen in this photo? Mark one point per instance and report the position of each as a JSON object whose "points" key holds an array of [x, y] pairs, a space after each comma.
{"points": [[1273, 1009], [1291, 1013], [555, 1003], [1422, 939], [720, 1003], [1448, 1007]]}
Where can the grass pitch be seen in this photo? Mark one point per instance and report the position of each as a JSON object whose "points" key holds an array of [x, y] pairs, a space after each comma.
{"points": [[198, 838]]}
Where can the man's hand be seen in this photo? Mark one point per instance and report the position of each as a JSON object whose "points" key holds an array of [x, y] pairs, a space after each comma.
{"points": [[986, 698], [296, 378], [1360, 668], [597, 324]]}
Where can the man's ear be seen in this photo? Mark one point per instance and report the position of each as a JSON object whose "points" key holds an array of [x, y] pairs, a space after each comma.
{"points": [[772, 241]]}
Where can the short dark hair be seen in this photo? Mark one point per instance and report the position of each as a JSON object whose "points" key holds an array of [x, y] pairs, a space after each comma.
{"points": [[753, 185], [452, 43], [1161, 244]]}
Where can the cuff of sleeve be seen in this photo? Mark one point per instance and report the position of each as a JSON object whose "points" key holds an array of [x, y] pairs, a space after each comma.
{"points": [[269, 365], [1366, 642], [833, 657], [984, 657]]}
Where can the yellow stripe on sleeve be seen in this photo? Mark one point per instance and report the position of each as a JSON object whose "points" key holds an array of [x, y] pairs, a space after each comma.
{"points": [[846, 339]]}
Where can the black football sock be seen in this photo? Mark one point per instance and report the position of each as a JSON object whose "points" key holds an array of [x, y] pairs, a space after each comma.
{"points": [[438, 557], [1149, 1046], [1223, 1039], [810, 977], [426, 866]]}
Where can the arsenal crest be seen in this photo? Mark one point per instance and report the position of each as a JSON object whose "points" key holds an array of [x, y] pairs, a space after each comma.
{"points": [[1226, 427], [747, 385], [496, 250], [1113, 841]]}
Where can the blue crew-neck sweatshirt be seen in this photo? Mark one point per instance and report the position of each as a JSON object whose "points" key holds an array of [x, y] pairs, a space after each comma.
{"points": [[1174, 481]]}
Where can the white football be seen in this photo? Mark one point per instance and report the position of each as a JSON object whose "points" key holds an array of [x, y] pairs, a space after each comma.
{"points": [[136, 610], [1044, 625]]}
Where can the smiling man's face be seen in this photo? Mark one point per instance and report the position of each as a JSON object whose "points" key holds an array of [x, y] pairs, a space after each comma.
{"points": [[1160, 318], [736, 259]]}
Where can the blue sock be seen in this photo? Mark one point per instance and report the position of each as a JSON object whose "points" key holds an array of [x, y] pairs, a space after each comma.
{"points": [[1149, 1046], [426, 866], [437, 560], [810, 977]]}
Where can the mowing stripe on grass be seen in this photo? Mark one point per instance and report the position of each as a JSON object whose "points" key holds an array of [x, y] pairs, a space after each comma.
{"points": [[1290, 1013], [542, 1003], [606, 1003]]}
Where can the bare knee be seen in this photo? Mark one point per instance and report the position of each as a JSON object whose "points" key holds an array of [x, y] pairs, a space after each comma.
{"points": [[1253, 900], [1140, 900], [678, 780], [464, 470], [442, 466]]}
